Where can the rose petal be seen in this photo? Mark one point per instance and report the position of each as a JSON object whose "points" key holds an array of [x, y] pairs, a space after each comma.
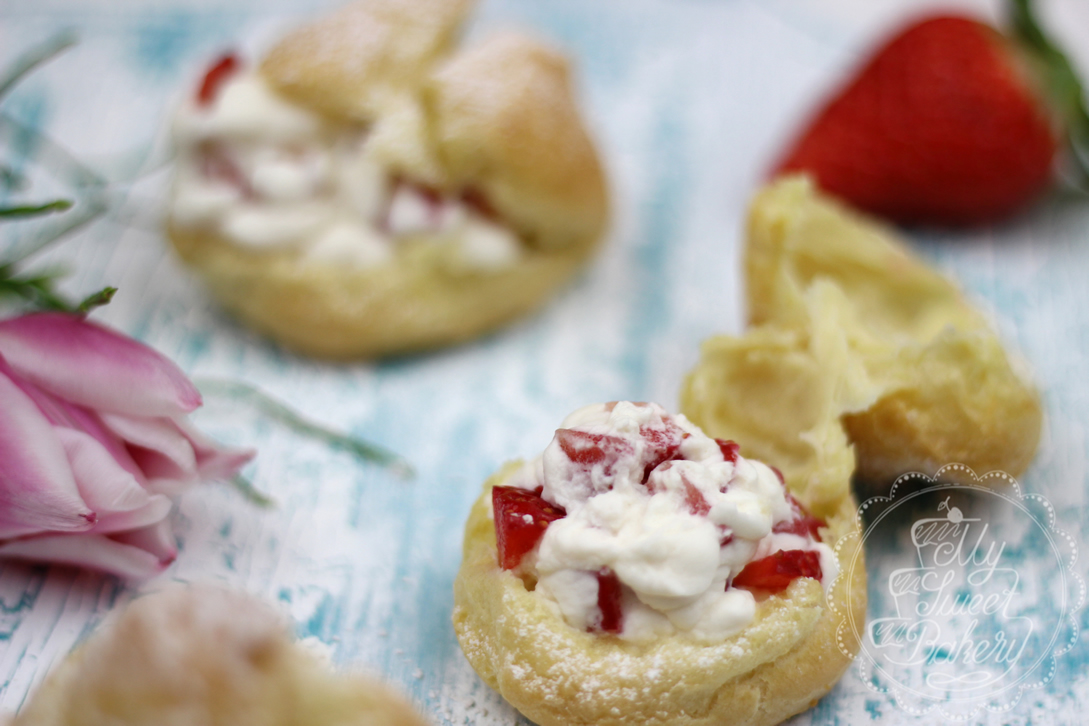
{"points": [[95, 551], [66, 415], [93, 366], [103, 484], [158, 539], [159, 448], [154, 511], [173, 452], [214, 461], [37, 490]]}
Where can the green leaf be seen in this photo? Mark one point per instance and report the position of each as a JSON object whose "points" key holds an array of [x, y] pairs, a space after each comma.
{"points": [[95, 300], [59, 205]]}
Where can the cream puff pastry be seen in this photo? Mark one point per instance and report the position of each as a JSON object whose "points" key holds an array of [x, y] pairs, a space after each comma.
{"points": [[639, 571], [206, 656], [368, 189]]}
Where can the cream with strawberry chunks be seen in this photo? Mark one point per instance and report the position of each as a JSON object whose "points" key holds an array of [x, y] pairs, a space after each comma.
{"points": [[635, 523], [269, 174]]}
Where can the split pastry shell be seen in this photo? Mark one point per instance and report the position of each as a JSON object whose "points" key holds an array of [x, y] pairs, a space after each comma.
{"points": [[845, 317]]}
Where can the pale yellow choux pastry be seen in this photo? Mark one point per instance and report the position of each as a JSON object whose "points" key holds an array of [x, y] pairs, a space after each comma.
{"points": [[369, 189], [843, 315], [206, 656], [628, 576]]}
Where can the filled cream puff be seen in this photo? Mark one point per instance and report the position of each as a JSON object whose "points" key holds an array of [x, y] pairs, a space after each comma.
{"points": [[368, 189], [640, 571]]}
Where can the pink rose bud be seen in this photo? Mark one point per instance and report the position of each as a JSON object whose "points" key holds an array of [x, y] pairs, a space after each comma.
{"points": [[93, 437]]}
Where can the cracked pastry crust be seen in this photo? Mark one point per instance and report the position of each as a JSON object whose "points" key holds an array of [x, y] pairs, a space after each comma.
{"points": [[206, 656], [781, 664], [498, 119], [845, 318]]}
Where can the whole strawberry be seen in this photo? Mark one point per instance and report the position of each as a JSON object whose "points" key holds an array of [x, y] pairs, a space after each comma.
{"points": [[947, 123]]}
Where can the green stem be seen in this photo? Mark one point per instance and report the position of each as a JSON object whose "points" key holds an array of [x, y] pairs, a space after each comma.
{"points": [[37, 290], [278, 411], [251, 493], [59, 205], [34, 57], [96, 300], [1060, 80]]}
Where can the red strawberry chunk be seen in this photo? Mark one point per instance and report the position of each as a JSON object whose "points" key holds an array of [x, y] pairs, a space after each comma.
{"points": [[591, 449], [662, 445], [219, 72], [803, 524], [730, 450], [693, 497], [775, 572], [608, 602], [217, 164], [521, 519]]}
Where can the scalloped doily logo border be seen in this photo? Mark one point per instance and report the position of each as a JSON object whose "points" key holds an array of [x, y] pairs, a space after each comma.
{"points": [[958, 628]]}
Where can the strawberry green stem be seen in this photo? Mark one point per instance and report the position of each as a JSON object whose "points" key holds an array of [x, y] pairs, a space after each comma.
{"points": [[1061, 83]]}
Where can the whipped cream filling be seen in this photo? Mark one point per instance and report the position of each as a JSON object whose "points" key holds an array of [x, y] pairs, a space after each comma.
{"points": [[674, 538], [267, 174]]}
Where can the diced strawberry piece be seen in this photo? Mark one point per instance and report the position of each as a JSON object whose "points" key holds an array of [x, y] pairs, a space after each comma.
{"points": [[662, 445], [727, 536], [775, 572], [803, 524], [693, 497], [476, 200], [730, 450], [590, 449], [608, 602], [216, 164], [521, 519], [782, 479], [220, 71]]}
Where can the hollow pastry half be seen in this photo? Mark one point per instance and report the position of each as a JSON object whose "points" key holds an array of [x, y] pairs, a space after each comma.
{"points": [[206, 656], [368, 189], [642, 572], [844, 316]]}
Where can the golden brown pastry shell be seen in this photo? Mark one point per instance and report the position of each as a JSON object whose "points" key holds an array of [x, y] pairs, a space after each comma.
{"points": [[171, 659], [498, 119], [414, 303], [781, 664], [893, 347]]}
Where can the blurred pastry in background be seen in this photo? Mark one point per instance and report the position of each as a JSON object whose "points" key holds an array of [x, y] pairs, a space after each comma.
{"points": [[206, 656], [367, 189]]}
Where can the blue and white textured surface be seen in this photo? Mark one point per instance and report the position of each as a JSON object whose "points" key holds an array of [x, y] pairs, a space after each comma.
{"points": [[689, 101]]}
